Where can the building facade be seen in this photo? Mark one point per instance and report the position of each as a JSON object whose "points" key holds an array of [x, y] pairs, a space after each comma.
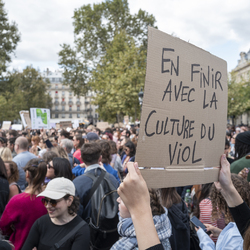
{"points": [[242, 71], [66, 105]]}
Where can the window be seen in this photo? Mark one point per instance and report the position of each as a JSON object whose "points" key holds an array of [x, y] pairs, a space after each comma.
{"points": [[53, 79], [70, 108], [56, 115], [56, 108], [78, 115], [70, 115], [63, 108], [70, 93], [78, 108], [56, 86], [63, 115], [70, 99], [63, 93], [63, 86]]}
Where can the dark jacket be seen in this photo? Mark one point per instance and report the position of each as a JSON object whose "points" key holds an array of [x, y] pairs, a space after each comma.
{"points": [[83, 185], [178, 216], [4, 194]]}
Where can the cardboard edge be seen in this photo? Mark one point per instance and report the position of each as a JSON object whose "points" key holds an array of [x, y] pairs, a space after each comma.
{"points": [[167, 178]]}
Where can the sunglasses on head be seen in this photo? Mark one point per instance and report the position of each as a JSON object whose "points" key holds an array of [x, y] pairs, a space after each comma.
{"points": [[52, 202]]}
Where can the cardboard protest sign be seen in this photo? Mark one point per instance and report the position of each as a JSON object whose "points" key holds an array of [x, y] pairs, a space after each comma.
{"points": [[40, 118], [17, 126], [102, 125], [66, 124], [6, 125], [25, 117], [183, 121]]}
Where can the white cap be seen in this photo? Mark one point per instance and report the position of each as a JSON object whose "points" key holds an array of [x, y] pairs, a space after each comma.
{"points": [[58, 188]]}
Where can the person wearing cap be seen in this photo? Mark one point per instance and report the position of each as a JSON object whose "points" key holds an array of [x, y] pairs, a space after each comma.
{"points": [[62, 205], [242, 153], [92, 136], [25, 208]]}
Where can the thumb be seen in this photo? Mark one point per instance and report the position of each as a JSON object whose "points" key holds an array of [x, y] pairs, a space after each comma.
{"points": [[137, 168]]}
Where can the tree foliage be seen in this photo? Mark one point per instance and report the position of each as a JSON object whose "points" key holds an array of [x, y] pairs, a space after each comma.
{"points": [[22, 91], [118, 79], [99, 49], [9, 37], [238, 96]]}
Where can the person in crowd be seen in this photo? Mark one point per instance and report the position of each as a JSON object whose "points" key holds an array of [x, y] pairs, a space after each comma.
{"points": [[12, 133], [13, 176], [11, 145], [116, 161], [5, 154], [242, 151], [49, 156], [129, 156], [227, 151], [23, 156], [179, 218], [25, 208], [3, 141], [78, 141], [59, 167], [135, 196], [60, 151], [68, 145], [229, 237], [106, 158], [91, 155], [203, 209], [91, 136], [35, 140], [127, 231], [43, 147], [62, 205], [63, 134], [4, 187]]}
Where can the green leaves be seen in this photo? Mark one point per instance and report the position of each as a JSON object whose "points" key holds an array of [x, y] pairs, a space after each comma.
{"points": [[108, 56], [238, 96], [9, 37], [21, 91]]}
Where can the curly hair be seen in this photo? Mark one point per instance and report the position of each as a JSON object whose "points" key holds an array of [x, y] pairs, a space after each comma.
{"points": [[155, 204], [73, 208], [220, 205]]}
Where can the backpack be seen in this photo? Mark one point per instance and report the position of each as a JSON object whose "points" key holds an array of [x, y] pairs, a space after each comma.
{"points": [[104, 211]]}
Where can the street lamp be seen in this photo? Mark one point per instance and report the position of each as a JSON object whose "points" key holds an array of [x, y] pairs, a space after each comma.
{"points": [[140, 97]]}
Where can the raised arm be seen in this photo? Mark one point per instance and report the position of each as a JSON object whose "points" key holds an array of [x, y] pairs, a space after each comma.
{"points": [[134, 193]]}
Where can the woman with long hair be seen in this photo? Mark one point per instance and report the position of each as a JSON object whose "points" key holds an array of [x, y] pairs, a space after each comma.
{"points": [[4, 187], [127, 230], [129, 156], [62, 219], [25, 208], [179, 218], [78, 141], [13, 176], [5, 154], [229, 237]]}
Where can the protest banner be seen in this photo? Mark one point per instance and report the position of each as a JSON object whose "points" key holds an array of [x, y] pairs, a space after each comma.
{"points": [[6, 125], [102, 125], [65, 124], [17, 127], [40, 118], [25, 117], [184, 112]]}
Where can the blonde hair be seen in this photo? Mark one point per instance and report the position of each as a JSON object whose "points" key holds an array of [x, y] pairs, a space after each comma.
{"points": [[5, 154]]}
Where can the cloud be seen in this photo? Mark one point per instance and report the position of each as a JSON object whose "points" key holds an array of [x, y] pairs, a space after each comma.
{"points": [[207, 24]]}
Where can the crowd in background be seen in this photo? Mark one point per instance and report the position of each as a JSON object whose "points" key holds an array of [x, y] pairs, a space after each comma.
{"points": [[44, 184]]}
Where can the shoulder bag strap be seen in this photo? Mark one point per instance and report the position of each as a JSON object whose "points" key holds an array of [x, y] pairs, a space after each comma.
{"points": [[96, 183], [70, 234]]}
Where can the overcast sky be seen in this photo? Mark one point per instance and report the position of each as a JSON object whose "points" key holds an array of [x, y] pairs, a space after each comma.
{"points": [[220, 27]]}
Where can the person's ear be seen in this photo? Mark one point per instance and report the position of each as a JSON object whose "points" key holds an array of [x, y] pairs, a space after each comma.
{"points": [[70, 200]]}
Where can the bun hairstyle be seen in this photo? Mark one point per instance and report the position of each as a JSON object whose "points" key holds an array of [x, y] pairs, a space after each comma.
{"points": [[37, 172], [156, 207]]}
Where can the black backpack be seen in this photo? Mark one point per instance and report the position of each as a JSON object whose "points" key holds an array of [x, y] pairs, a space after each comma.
{"points": [[104, 211]]}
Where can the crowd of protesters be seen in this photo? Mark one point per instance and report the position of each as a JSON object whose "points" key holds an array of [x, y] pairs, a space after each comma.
{"points": [[44, 185]]}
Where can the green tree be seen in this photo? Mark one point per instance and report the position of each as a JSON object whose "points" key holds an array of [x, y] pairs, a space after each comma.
{"points": [[94, 30], [9, 37], [238, 96], [118, 78], [22, 91]]}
